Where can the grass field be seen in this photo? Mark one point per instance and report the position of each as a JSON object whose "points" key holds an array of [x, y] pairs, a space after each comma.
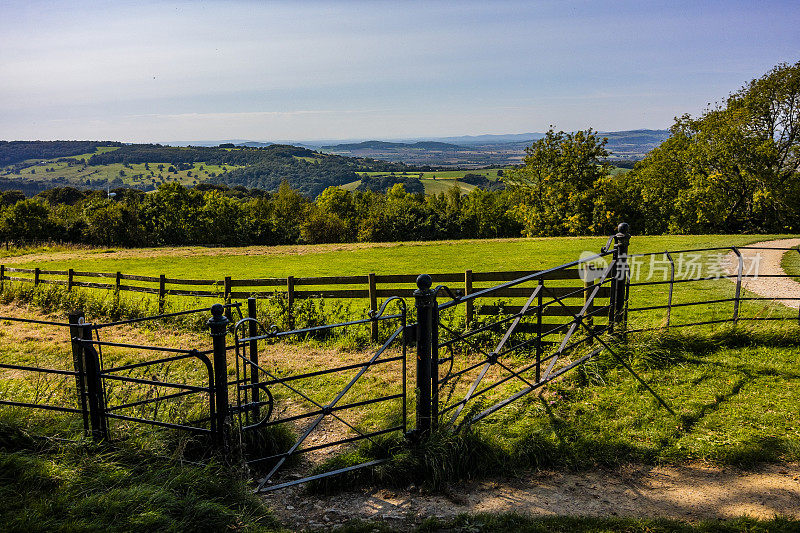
{"points": [[132, 175], [354, 259], [432, 186], [414, 258], [490, 173], [734, 391]]}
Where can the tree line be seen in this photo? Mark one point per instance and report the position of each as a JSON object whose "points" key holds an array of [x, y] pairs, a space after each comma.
{"points": [[218, 215]]}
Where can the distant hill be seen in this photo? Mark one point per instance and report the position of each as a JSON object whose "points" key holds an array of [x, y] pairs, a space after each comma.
{"points": [[489, 150], [33, 166], [18, 151], [383, 145]]}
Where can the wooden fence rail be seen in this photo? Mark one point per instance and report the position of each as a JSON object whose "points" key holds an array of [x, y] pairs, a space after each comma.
{"points": [[371, 287]]}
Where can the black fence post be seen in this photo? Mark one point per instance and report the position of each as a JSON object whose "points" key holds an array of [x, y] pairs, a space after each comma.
{"points": [[93, 383], [621, 279], [424, 302], [218, 324], [75, 325]]}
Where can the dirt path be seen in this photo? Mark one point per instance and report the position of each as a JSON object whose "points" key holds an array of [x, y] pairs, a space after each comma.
{"points": [[683, 492], [768, 262]]}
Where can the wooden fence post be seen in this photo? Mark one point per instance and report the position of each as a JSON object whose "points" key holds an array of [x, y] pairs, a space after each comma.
{"points": [[70, 275], [373, 304], [2, 276], [36, 272], [75, 326], [162, 292], [118, 282], [228, 291], [290, 298], [470, 308]]}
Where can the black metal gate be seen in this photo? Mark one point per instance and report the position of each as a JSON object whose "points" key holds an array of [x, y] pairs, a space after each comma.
{"points": [[268, 397], [571, 313]]}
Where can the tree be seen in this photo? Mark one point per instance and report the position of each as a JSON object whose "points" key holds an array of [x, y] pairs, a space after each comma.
{"points": [[27, 221], [288, 212], [734, 168], [556, 186]]}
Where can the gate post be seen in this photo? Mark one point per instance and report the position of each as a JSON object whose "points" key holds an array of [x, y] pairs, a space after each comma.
{"points": [[217, 325], [93, 383], [252, 351], [619, 284], [75, 325], [425, 303]]}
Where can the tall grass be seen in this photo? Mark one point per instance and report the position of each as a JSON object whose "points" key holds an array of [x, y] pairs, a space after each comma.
{"points": [[140, 484]]}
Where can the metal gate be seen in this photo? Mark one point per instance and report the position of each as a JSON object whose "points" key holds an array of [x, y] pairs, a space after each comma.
{"points": [[267, 397]]}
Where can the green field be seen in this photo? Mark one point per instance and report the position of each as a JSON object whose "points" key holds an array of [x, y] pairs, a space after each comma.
{"points": [[416, 258], [442, 180], [432, 186], [131, 175], [353, 259], [490, 173]]}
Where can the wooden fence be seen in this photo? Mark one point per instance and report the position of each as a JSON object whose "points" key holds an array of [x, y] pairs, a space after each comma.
{"points": [[370, 287]]}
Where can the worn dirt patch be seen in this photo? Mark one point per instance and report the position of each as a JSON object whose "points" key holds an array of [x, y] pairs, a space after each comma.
{"points": [[691, 493]]}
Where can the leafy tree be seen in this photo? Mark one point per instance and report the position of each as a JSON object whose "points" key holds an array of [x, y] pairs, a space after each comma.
{"points": [[220, 219], [27, 221], [288, 210], [735, 168], [557, 183]]}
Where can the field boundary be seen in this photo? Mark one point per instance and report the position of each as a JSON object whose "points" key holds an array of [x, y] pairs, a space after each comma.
{"points": [[371, 286]]}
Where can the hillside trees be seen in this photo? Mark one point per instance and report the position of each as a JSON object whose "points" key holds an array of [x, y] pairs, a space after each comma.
{"points": [[27, 221], [735, 168], [559, 183]]}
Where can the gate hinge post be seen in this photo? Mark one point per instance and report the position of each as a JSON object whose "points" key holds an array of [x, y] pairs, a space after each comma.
{"points": [[620, 280], [218, 326], [425, 304]]}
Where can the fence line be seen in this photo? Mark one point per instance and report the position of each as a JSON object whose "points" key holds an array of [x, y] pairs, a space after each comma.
{"points": [[295, 288]]}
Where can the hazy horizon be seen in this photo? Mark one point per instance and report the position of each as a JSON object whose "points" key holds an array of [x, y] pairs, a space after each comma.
{"points": [[183, 71]]}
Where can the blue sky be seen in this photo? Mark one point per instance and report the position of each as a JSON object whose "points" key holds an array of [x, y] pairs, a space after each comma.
{"points": [[161, 71]]}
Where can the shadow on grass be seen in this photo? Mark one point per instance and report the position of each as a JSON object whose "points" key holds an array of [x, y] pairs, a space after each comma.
{"points": [[569, 441]]}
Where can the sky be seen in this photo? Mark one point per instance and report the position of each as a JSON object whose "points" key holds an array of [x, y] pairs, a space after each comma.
{"points": [[304, 70]]}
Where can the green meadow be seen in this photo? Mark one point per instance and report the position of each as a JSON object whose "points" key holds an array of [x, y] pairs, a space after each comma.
{"points": [[353, 259], [131, 175]]}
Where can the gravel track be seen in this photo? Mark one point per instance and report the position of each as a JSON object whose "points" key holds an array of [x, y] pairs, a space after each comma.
{"points": [[769, 263]]}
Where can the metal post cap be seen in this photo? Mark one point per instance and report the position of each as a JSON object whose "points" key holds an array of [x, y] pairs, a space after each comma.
{"points": [[424, 282], [217, 315]]}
